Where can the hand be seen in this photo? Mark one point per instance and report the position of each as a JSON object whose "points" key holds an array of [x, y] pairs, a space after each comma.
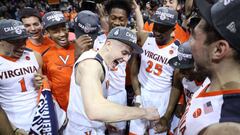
{"points": [[19, 131], [84, 43], [162, 125], [134, 5], [100, 10], [38, 80], [111, 128], [151, 114]]}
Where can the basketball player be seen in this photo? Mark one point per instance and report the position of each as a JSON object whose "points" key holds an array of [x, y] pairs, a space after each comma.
{"points": [[152, 82], [216, 51], [88, 108], [59, 59], [32, 21], [119, 12], [18, 67], [186, 80]]}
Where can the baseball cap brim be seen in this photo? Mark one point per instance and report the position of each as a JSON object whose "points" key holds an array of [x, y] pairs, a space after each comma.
{"points": [[174, 62], [161, 22], [204, 8], [51, 24], [23, 36], [135, 47], [79, 33]]}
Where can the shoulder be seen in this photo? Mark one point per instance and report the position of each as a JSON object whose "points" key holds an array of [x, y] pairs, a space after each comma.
{"points": [[90, 67]]}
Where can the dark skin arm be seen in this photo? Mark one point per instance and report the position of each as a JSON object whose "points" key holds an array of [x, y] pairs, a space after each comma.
{"points": [[5, 128], [162, 124]]}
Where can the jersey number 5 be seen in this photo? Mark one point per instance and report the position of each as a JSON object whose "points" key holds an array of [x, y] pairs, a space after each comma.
{"points": [[157, 70], [23, 86]]}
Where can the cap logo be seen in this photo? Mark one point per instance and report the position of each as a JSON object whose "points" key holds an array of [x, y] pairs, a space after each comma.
{"points": [[87, 27], [183, 56], [55, 17], [226, 2], [132, 38], [164, 15], [232, 27], [116, 33], [18, 29]]}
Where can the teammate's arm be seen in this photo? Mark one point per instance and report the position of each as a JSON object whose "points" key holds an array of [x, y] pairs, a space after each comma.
{"points": [[89, 76], [163, 124], [38, 77], [5, 128], [134, 74], [138, 15]]}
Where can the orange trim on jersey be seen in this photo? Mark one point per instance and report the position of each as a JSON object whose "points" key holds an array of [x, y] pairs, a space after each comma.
{"points": [[9, 58], [218, 92], [169, 43]]}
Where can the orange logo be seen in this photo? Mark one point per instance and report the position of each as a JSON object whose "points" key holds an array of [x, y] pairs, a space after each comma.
{"points": [[197, 113]]}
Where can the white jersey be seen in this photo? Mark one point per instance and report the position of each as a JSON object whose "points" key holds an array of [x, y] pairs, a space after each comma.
{"points": [[117, 76], [189, 87], [18, 96], [155, 73], [206, 108], [76, 112]]}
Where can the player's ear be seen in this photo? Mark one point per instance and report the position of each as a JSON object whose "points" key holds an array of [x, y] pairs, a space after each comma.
{"points": [[221, 50]]}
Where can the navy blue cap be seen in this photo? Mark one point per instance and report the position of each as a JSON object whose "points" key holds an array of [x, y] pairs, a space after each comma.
{"points": [[223, 15], [87, 22], [184, 59], [53, 18], [126, 36], [12, 30], [165, 16]]}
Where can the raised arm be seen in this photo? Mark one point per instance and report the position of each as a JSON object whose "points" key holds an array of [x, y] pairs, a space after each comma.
{"points": [[89, 75], [138, 15]]}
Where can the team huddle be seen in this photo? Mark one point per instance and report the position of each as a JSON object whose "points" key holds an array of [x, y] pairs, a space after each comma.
{"points": [[185, 75]]}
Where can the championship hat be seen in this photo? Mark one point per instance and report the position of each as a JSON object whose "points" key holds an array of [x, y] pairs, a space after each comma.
{"points": [[184, 58], [87, 22], [12, 30], [126, 36], [165, 16], [223, 15], [53, 18]]}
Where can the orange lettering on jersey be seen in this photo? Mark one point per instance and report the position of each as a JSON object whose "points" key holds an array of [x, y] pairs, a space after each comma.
{"points": [[23, 86], [157, 70]]}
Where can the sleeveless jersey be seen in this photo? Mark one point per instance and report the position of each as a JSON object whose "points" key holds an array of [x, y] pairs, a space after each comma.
{"points": [[117, 76], [76, 112], [155, 73], [189, 87], [18, 96], [206, 108]]}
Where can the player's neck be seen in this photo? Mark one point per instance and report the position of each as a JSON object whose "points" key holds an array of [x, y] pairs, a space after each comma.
{"points": [[37, 41], [226, 78]]}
